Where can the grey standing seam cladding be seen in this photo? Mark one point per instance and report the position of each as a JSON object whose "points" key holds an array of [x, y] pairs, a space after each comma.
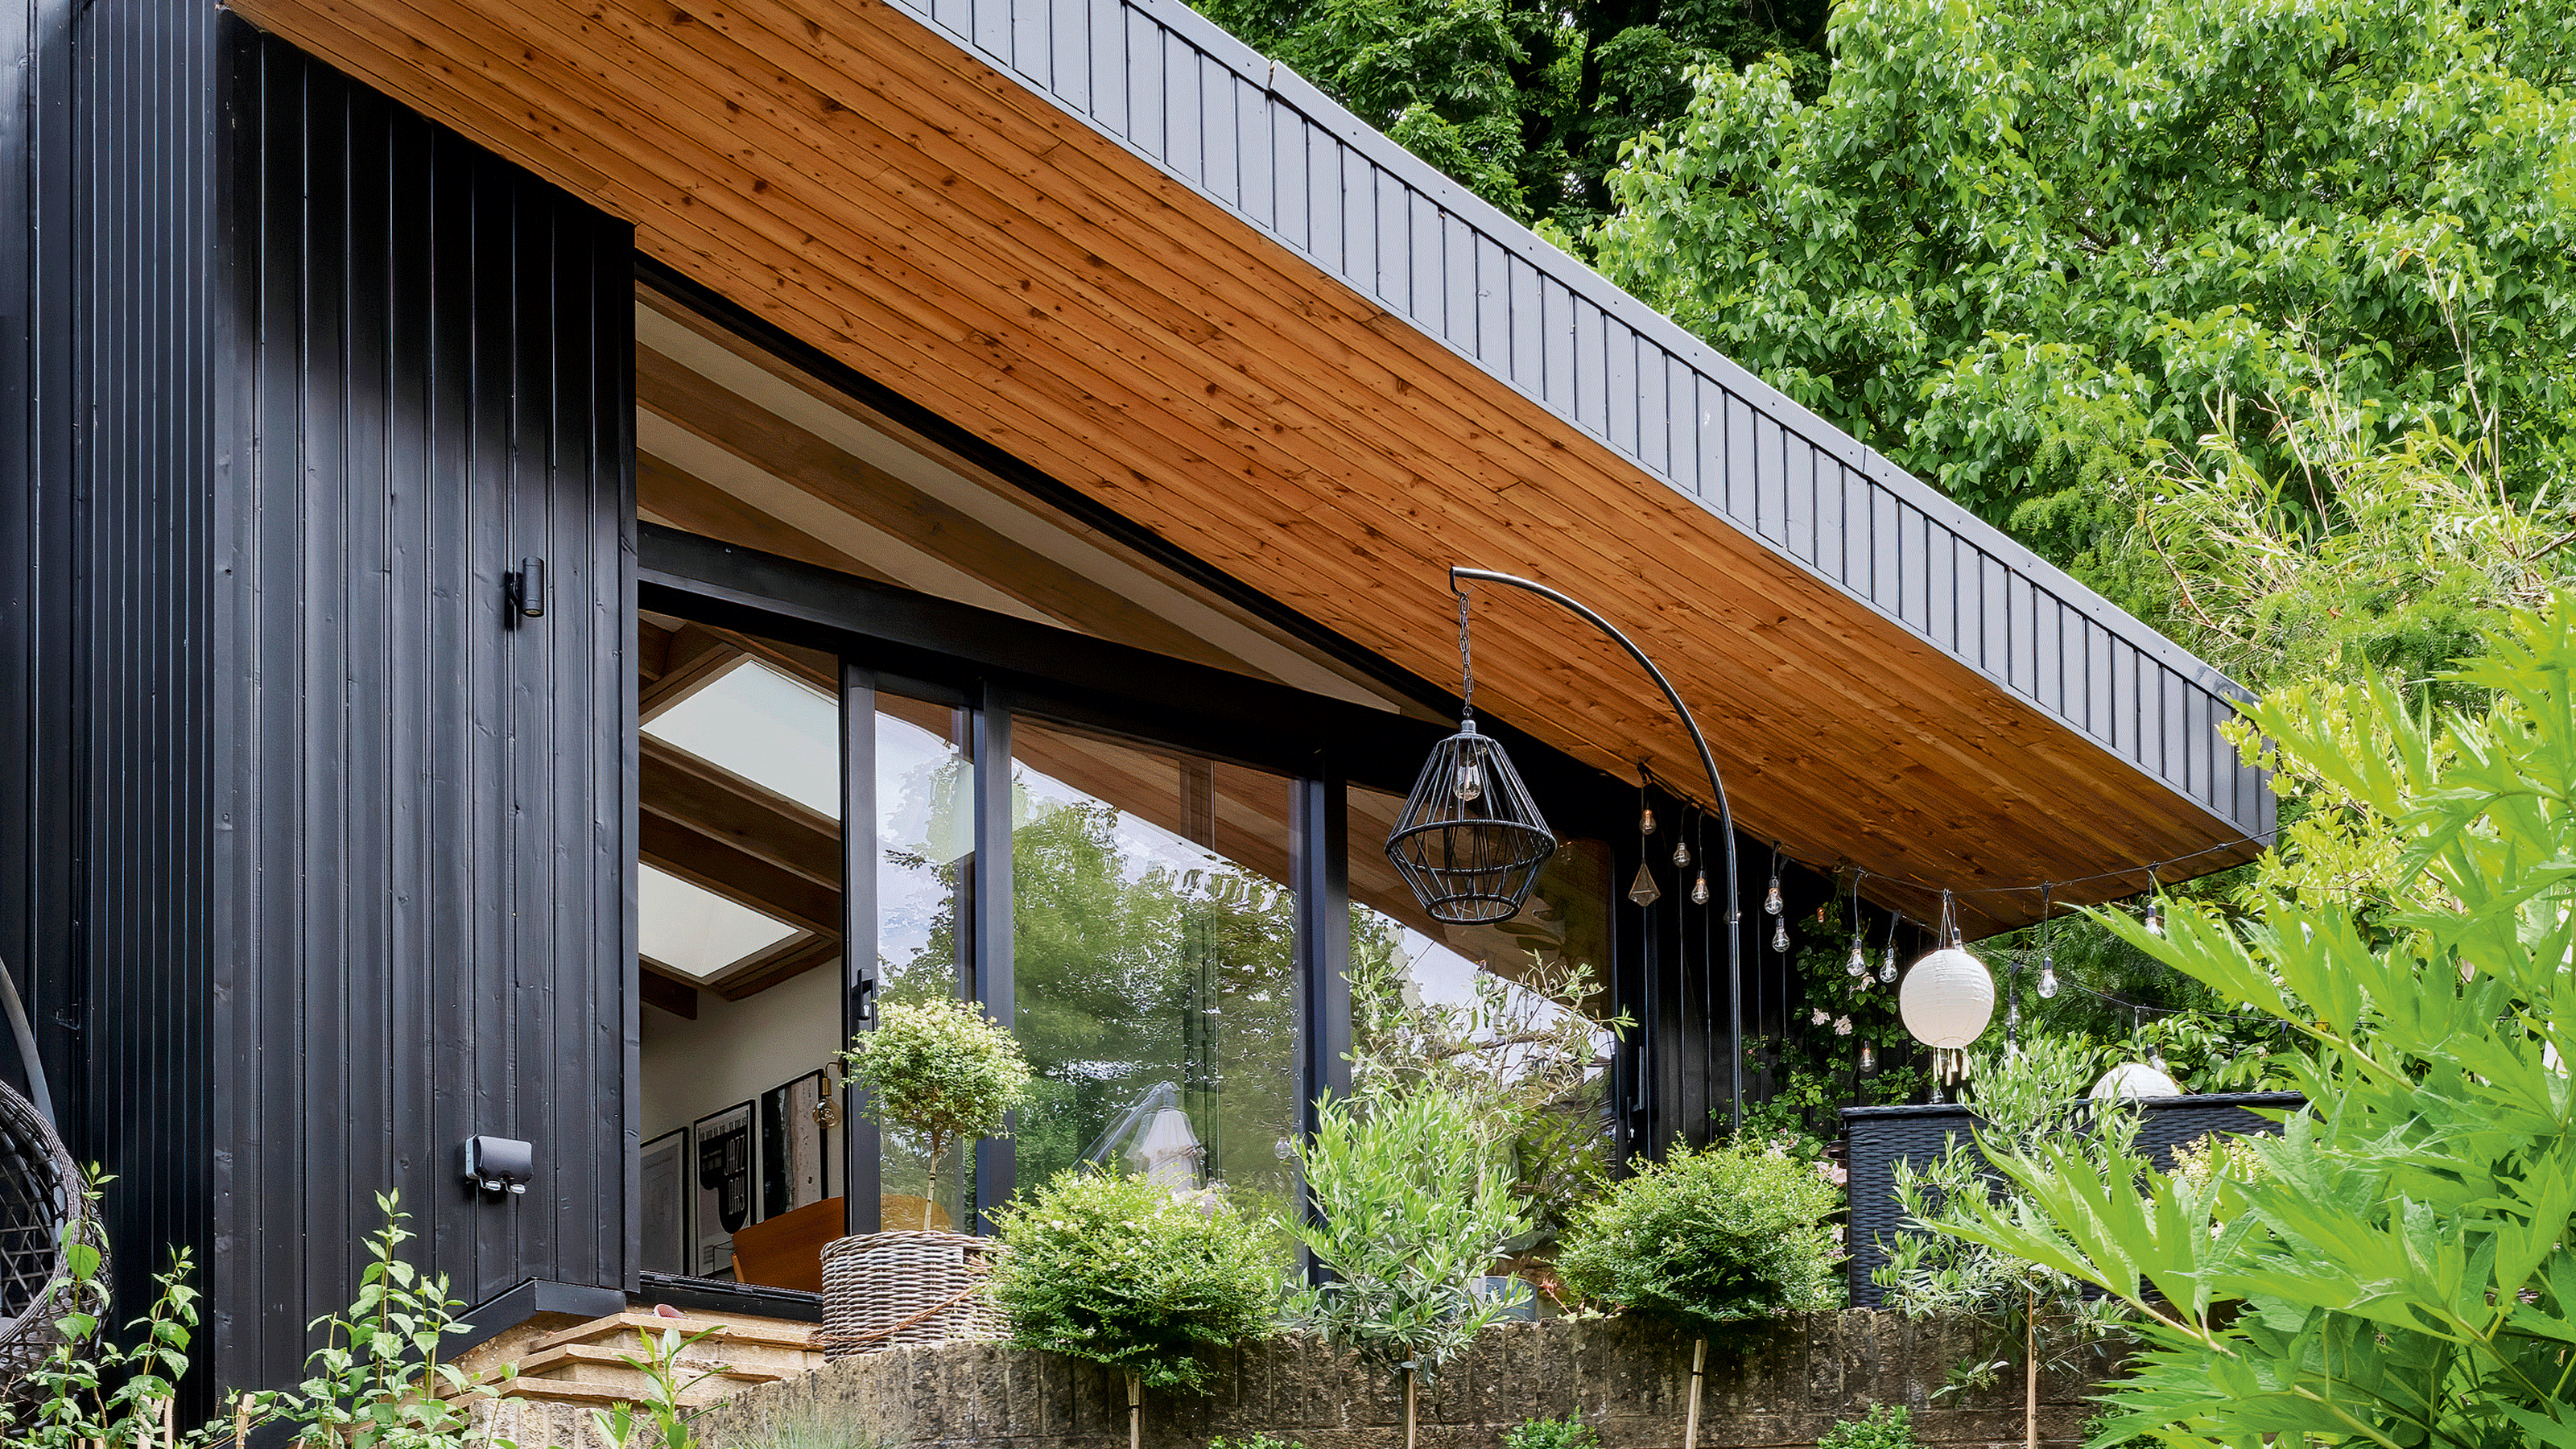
{"points": [[1259, 141]]}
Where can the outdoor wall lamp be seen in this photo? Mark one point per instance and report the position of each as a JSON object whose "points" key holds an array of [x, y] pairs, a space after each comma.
{"points": [[1470, 841], [499, 1164], [525, 588]]}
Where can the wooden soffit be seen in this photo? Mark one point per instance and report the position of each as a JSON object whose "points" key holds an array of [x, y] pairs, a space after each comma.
{"points": [[1112, 242]]}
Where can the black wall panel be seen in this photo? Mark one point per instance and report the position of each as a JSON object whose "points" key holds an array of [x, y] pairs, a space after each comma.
{"points": [[425, 805], [105, 449]]}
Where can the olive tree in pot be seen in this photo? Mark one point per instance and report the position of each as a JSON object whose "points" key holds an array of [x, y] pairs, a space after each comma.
{"points": [[941, 1071], [1411, 1210], [1706, 1239], [1123, 1272]]}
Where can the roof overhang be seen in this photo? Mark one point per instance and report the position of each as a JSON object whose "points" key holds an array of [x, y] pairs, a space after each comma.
{"points": [[1111, 240]]}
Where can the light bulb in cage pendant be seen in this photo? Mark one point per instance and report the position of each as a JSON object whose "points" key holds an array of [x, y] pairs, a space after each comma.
{"points": [[1887, 963], [1780, 937], [1771, 902], [1699, 890], [1858, 965], [1470, 784], [1681, 854]]}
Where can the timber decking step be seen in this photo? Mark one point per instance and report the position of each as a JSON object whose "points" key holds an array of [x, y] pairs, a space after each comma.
{"points": [[590, 1362], [766, 1333], [620, 1362]]}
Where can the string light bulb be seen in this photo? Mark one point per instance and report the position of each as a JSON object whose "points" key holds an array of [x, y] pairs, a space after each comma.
{"points": [[1681, 853], [1887, 963], [1771, 903], [1868, 1057], [1780, 937], [1858, 965], [1699, 889], [1646, 820], [2047, 979]]}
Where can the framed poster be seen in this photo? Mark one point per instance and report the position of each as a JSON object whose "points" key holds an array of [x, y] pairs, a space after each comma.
{"points": [[664, 1181], [795, 1146], [722, 1200]]}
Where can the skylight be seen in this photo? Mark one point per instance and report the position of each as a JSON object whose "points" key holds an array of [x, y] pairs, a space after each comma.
{"points": [[757, 722], [694, 931]]}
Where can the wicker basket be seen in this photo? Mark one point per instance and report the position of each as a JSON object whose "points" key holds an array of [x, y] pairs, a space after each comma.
{"points": [[41, 1192], [882, 1290]]}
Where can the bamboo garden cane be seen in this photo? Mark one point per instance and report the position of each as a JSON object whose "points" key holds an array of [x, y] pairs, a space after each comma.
{"points": [[1699, 1368], [1135, 1412]]}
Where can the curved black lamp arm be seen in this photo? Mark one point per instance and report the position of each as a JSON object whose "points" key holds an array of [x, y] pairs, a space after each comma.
{"points": [[1716, 787]]}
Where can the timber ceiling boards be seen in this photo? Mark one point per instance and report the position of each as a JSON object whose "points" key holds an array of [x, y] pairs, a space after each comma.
{"points": [[1111, 242]]}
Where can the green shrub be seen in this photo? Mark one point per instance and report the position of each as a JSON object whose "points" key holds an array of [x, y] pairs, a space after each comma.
{"points": [[1705, 1238], [1569, 1432], [1412, 1209], [1119, 1271], [939, 1070], [1887, 1426], [1255, 1441]]}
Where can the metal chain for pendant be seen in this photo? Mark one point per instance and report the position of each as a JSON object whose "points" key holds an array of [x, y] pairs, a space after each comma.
{"points": [[1466, 663]]}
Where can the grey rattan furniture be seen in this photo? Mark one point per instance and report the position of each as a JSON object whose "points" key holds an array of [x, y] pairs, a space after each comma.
{"points": [[1877, 1138], [41, 1191]]}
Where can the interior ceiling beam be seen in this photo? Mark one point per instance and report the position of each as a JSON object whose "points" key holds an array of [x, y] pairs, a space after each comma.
{"points": [[673, 494], [685, 790], [793, 959], [886, 197], [859, 488], [706, 858]]}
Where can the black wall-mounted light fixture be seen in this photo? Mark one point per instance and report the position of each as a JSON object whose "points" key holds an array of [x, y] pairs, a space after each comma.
{"points": [[500, 1164], [1463, 851], [526, 589]]}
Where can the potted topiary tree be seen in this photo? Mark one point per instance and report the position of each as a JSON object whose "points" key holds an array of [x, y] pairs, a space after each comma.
{"points": [[1411, 1209], [1123, 1272], [944, 1073], [1706, 1239]]}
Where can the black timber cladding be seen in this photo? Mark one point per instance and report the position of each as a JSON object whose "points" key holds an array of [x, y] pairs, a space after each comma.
{"points": [[1262, 143], [427, 805], [105, 848]]}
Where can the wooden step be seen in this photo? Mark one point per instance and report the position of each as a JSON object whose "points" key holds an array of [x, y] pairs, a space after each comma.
{"points": [[621, 1362], [768, 1334]]}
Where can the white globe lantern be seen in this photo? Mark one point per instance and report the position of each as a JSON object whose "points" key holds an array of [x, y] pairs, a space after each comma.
{"points": [[1946, 1001], [2136, 1079]]}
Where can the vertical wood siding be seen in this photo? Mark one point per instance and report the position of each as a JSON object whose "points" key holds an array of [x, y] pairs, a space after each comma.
{"points": [[105, 205], [1254, 137], [426, 807]]}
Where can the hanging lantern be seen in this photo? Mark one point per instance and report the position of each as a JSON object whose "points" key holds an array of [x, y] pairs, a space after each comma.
{"points": [[1946, 1001], [1471, 841], [2136, 1079], [1643, 890]]}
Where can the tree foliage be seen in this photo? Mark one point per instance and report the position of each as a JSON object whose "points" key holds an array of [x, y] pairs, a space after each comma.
{"points": [[1709, 1238], [1119, 1271], [939, 1070], [1527, 105], [2025, 249], [2400, 1270]]}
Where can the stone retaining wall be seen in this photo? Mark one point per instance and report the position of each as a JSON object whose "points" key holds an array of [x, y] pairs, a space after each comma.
{"points": [[1778, 1386]]}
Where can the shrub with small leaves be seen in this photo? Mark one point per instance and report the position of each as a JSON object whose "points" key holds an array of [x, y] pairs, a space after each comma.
{"points": [[1254, 1441], [1712, 1237], [1119, 1271], [1887, 1426], [1569, 1432], [940, 1070]]}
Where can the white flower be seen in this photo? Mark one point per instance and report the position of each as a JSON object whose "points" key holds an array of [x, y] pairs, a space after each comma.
{"points": [[1842, 1025], [1819, 1018]]}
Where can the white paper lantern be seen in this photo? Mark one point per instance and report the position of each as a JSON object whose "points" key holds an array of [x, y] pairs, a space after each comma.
{"points": [[2136, 1079], [1946, 1001]]}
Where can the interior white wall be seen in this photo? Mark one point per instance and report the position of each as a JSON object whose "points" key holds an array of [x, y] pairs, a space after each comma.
{"points": [[737, 1050]]}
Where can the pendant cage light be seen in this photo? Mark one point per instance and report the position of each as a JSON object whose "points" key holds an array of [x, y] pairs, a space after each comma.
{"points": [[1470, 841]]}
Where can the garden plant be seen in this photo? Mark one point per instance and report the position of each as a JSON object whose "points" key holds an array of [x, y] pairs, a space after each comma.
{"points": [[1885, 1426], [942, 1071], [2396, 1268], [1411, 1208], [1123, 1272], [1709, 1238]]}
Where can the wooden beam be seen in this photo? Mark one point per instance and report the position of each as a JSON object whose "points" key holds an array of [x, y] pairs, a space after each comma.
{"points": [[760, 823], [692, 658], [676, 997], [705, 857], [667, 490], [791, 959], [864, 491]]}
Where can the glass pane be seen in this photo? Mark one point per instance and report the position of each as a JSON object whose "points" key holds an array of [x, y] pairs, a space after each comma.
{"points": [[756, 722], [1155, 960], [695, 931], [739, 917], [1528, 973], [925, 886]]}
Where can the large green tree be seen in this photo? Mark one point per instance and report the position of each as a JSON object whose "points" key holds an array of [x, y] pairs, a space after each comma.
{"points": [[2029, 249], [1526, 104]]}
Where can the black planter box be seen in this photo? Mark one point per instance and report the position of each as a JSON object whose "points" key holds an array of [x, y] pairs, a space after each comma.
{"points": [[1875, 1139]]}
